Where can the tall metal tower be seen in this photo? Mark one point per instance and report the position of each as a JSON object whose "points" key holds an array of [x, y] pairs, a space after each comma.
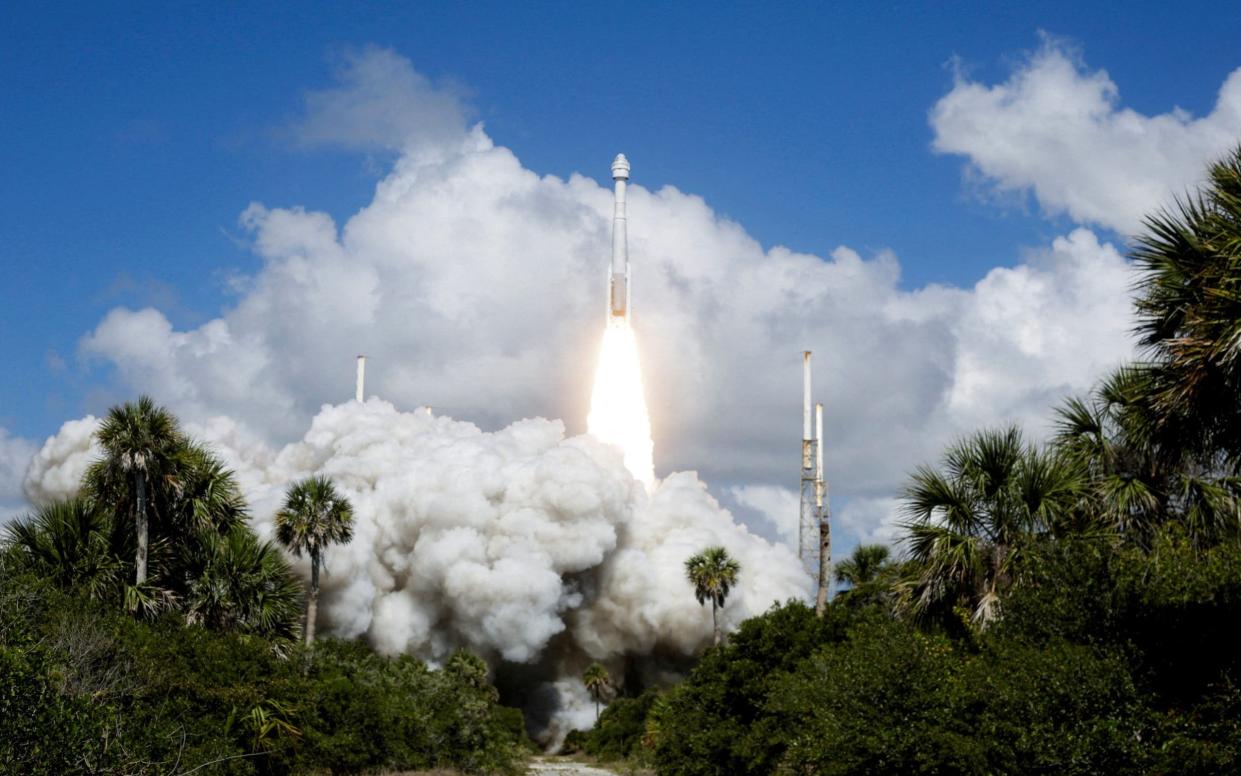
{"points": [[823, 516], [808, 524]]}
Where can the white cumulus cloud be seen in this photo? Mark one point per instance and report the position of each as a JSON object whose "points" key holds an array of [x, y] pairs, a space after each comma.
{"points": [[379, 103], [1059, 130]]}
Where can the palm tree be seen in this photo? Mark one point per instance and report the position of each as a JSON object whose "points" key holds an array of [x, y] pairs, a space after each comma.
{"points": [[469, 668], [863, 566], [244, 585], [1189, 307], [712, 573], [207, 497], [140, 441], [969, 525], [71, 543], [313, 517], [1136, 479], [864, 572], [597, 682]]}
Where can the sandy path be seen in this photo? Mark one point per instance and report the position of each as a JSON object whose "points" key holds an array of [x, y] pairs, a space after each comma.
{"points": [[553, 766]]}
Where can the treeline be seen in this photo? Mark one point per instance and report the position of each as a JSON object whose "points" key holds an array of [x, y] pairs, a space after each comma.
{"points": [[146, 629], [1065, 608]]}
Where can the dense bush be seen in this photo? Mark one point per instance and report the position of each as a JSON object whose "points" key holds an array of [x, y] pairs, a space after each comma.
{"points": [[1107, 659], [892, 699], [619, 732], [718, 721], [161, 697]]}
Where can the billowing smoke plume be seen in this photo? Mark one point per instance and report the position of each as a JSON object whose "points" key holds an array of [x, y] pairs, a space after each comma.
{"points": [[522, 545]]}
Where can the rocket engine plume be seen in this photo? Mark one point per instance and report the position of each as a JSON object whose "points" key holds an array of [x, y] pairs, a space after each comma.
{"points": [[618, 413]]}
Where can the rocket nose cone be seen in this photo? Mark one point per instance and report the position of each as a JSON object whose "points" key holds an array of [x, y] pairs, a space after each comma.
{"points": [[620, 167]]}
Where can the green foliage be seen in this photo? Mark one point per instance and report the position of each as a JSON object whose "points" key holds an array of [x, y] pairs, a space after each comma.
{"points": [[70, 543], [1109, 658], [619, 733], [395, 713], [243, 585], [1136, 479], [843, 703], [716, 721], [597, 682], [228, 581], [153, 698], [870, 574], [1056, 708], [971, 521], [1190, 316], [893, 699], [32, 707], [712, 573], [314, 516]]}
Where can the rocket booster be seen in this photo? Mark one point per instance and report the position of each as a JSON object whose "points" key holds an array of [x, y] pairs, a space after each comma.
{"points": [[618, 296]]}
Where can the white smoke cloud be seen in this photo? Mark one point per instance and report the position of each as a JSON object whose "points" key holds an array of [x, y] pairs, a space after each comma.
{"points": [[520, 544], [15, 453], [476, 286], [56, 470], [1058, 129], [467, 538]]}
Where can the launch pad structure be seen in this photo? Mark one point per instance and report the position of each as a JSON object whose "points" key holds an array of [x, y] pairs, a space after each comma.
{"points": [[814, 532]]}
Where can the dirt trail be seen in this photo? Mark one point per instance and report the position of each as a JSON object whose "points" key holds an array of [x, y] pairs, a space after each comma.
{"points": [[555, 766]]}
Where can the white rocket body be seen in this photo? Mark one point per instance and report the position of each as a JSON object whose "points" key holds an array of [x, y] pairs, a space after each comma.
{"points": [[618, 291]]}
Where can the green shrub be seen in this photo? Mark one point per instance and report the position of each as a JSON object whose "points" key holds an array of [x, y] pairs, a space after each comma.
{"points": [[618, 733], [890, 699], [92, 690], [717, 721]]}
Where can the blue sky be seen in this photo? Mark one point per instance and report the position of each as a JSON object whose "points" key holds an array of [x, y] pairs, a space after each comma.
{"points": [[132, 136], [941, 289]]}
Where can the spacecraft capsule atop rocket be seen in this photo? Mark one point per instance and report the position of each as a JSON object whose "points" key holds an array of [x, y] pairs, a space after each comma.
{"points": [[618, 295]]}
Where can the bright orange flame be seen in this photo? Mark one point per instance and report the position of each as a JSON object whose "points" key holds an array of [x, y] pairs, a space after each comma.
{"points": [[618, 405]]}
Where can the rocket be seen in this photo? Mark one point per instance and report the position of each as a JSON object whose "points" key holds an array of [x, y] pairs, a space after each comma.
{"points": [[618, 285]]}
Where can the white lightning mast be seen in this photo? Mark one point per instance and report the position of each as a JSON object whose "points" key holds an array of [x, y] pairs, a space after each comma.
{"points": [[808, 521]]}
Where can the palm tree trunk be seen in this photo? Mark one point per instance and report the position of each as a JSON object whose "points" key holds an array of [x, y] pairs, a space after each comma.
{"points": [[140, 562], [312, 601], [715, 623], [596, 710], [825, 564]]}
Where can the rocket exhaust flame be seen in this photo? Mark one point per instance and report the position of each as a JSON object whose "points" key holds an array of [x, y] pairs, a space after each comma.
{"points": [[618, 413]]}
